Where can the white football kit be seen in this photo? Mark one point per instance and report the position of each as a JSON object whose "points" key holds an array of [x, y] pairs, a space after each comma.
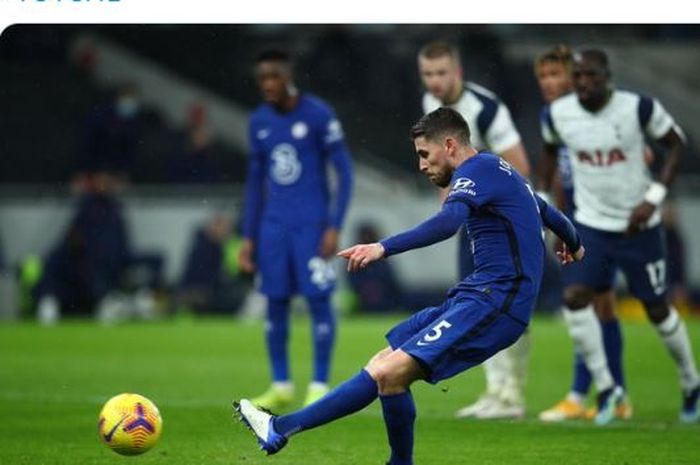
{"points": [[606, 148], [488, 118]]}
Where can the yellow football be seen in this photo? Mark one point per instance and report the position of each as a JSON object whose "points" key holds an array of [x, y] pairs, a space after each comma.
{"points": [[130, 424]]}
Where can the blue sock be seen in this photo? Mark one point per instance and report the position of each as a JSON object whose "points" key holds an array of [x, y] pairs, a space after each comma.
{"points": [[399, 417], [612, 339], [276, 336], [582, 377], [353, 395], [324, 336]]}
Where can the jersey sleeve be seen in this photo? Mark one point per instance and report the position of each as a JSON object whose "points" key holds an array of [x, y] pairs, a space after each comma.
{"points": [[332, 139], [502, 133], [254, 186], [331, 131], [659, 121], [438, 228], [549, 133]]}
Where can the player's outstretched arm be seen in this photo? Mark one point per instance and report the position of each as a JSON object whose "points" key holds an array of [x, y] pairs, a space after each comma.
{"points": [[435, 229], [438, 228]]}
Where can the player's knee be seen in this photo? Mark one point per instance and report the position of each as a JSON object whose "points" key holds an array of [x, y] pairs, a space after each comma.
{"points": [[577, 297], [389, 379], [657, 311]]}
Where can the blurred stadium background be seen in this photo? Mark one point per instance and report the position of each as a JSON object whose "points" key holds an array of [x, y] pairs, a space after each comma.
{"points": [[183, 155]]}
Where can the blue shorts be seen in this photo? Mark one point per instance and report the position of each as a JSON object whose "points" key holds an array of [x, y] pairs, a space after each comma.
{"points": [[460, 334], [289, 262], [641, 257]]}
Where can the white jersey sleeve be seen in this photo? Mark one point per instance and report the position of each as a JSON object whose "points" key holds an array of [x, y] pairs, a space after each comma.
{"points": [[502, 134], [660, 121]]}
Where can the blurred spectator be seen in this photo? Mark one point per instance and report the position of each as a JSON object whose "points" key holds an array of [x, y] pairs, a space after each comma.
{"points": [[193, 164], [87, 268], [376, 286], [110, 138], [210, 282]]}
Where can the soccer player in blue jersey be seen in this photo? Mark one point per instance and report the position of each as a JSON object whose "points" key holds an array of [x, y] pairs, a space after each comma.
{"points": [[292, 221], [483, 314]]}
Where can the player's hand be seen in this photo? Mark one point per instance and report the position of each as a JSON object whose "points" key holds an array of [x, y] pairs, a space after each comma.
{"points": [[361, 255], [329, 243], [245, 256], [639, 217], [566, 257]]}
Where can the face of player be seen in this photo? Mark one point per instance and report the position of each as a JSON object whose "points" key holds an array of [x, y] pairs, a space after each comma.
{"points": [[432, 161], [554, 80], [440, 76], [590, 82], [274, 80]]}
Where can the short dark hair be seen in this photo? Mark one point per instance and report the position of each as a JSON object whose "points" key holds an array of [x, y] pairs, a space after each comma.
{"points": [[440, 123], [439, 49], [594, 54], [274, 54], [558, 54]]}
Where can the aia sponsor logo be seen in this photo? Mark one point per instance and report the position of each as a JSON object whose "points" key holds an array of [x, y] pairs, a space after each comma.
{"points": [[600, 158]]}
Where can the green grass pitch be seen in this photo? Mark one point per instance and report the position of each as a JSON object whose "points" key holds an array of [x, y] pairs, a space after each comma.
{"points": [[53, 382]]}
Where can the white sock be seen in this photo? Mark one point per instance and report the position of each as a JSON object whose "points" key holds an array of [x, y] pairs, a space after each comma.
{"points": [[574, 396], [520, 356], [515, 371], [675, 336], [496, 369], [585, 330]]}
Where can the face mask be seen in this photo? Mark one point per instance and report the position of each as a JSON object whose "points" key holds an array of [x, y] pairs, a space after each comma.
{"points": [[127, 107]]}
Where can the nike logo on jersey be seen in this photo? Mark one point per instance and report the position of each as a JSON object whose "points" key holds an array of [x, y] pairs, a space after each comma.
{"points": [[263, 134]]}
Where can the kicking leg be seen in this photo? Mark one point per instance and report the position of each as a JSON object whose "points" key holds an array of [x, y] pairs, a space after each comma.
{"points": [[347, 398]]}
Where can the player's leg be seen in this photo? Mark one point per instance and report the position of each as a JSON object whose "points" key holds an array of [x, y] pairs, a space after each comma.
{"points": [[644, 263], [511, 364], [315, 279], [346, 398], [272, 258], [604, 303], [394, 374], [582, 278], [323, 332]]}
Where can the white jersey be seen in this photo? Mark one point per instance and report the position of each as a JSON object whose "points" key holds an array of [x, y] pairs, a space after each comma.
{"points": [[606, 150], [489, 120]]}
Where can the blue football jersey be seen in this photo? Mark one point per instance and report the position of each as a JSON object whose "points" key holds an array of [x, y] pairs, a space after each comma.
{"points": [[505, 227], [293, 149]]}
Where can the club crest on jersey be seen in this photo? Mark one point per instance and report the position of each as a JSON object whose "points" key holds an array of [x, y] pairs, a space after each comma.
{"points": [[599, 158], [464, 186], [286, 167], [299, 130]]}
